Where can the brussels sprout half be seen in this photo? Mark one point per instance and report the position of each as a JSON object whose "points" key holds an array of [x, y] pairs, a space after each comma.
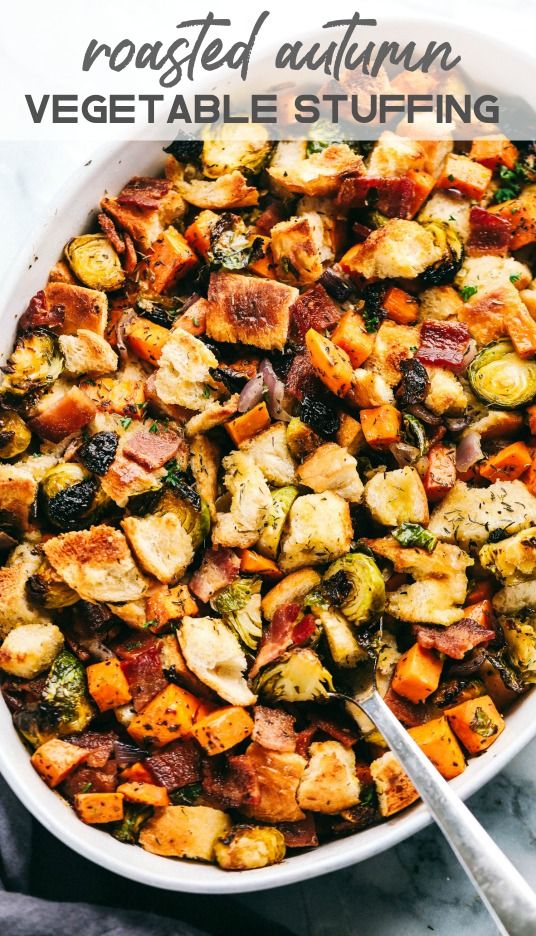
{"points": [[15, 436], [94, 262], [66, 691], [501, 378], [240, 607], [297, 676], [69, 497], [48, 590], [366, 594], [235, 146], [448, 240], [196, 521], [282, 500], [35, 362]]}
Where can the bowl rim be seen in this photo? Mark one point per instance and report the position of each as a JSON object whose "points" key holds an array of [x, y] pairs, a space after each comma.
{"points": [[48, 807]]}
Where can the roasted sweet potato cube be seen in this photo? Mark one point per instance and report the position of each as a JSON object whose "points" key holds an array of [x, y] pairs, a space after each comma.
{"points": [[381, 425], [99, 808], [81, 307], [55, 759], [170, 260], [146, 339], [168, 716], [108, 684], [417, 673], [494, 151], [477, 723], [439, 744], [222, 729], [169, 604], [148, 793], [249, 310]]}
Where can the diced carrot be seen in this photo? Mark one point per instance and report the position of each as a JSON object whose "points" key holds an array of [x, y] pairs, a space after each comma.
{"points": [[521, 212], [251, 561], [521, 328], [531, 413], [440, 475], [138, 773], [400, 306], [466, 176], [146, 339], [381, 425], [198, 233], [440, 745], [97, 808], [417, 673], [265, 266], [148, 793], [351, 335], [170, 260], [108, 684], [168, 716], [55, 759], [508, 464], [331, 363], [481, 612], [494, 151], [423, 184], [194, 320], [165, 604], [477, 723], [223, 729], [249, 424], [480, 591], [529, 478]]}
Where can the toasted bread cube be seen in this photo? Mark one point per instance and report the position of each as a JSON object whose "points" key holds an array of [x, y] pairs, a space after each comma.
{"points": [[329, 783], [15, 609], [170, 715], [229, 191], [279, 776], [147, 793], [18, 490], [395, 497], [161, 545], [99, 808], [55, 759], [87, 353], [29, 649], [184, 831], [439, 744], [393, 786], [397, 249], [82, 308], [319, 530], [145, 224], [350, 434], [63, 415], [169, 604], [108, 684], [247, 846], [296, 251], [223, 729], [477, 723], [465, 175], [249, 310], [293, 587]]}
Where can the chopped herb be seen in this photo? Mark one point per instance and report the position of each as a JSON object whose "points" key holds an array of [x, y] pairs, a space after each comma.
{"points": [[513, 181], [206, 392], [125, 422], [150, 623], [87, 787], [368, 796], [153, 427], [515, 277], [187, 795], [467, 291], [413, 534], [482, 724]]}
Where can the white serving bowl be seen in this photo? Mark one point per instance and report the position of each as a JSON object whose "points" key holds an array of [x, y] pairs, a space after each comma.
{"points": [[72, 214]]}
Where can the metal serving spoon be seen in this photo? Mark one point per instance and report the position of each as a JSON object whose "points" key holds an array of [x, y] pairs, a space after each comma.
{"points": [[507, 896]]}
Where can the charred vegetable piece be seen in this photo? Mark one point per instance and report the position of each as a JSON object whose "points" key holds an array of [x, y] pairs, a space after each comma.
{"points": [[231, 246], [235, 146], [234, 381], [35, 362], [282, 500], [239, 605], [66, 692], [195, 520], [344, 649], [94, 262], [413, 534], [185, 150], [48, 590], [134, 816], [373, 312], [161, 311], [301, 439], [67, 496], [98, 453], [15, 436], [415, 433], [448, 240], [520, 636], [366, 596], [337, 285], [247, 846], [321, 417], [37, 723], [297, 676], [501, 378]]}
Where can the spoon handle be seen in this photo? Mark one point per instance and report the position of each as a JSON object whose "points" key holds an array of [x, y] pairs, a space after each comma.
{"points": [[507, 896]]}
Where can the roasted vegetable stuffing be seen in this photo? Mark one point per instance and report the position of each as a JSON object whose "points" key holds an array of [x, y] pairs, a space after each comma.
{"points": [[273, 419]]}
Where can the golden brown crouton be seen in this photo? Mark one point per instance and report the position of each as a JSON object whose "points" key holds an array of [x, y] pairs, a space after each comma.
{"points": [[184, 831], [395, 789], [145, 224], [249, 310], [397, 249], [229, 191], [279, 777], [329, 783], [205, 458], [296, 249], [97, 564], [394, 343], [161, 545], [320, 174], [82, 308], [18, 490], [15, 609]]}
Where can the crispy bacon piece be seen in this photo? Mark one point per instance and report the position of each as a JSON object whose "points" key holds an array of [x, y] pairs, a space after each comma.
{"points": [[230, 783], [151, 450], [345, 734], [145, 676], [302, 379], [443, 343], [304, 739], [274, 729], [130, 260], [490, 233], [108, 227], [303, 630], [39, 314], [455, 640], [300, 834], [272, 214], [99, 743], [176, 766], [219, 568], [91, 779], [278, 636], [409, 713], [313, 309], [144, 193], [394, 197]]}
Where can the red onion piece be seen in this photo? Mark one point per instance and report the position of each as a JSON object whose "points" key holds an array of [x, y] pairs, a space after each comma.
{"points": [[404, 454], [276, 391], [470, 354], [469, 451], [251, 394], [127, 754]]}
